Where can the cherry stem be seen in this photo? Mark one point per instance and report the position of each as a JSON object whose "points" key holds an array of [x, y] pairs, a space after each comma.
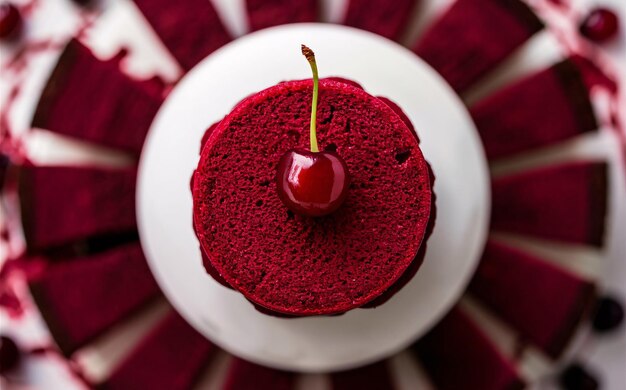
{"points": [[310, 56]]}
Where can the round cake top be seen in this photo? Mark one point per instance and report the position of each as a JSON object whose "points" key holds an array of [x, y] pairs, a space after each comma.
{"points": [[303, 265]]}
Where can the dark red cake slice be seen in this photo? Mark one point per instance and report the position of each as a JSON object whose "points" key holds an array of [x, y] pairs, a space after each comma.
{"points": [[92, 100], [268, 13], [473, 36], [382, 17], [297, 265], [549, 106], [170, 357], [565, 203], [83, 298], [543, 302], [458, 355], [190, 29], [374, 376], [65, 204], [245, 375]]}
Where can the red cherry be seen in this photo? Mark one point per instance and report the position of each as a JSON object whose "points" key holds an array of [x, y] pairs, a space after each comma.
{"points": [[312, 183], [9, 354], [600, 25], [10, 20]]}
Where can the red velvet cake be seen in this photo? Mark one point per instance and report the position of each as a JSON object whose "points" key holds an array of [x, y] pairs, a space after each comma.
{"points": [[287, 263]]}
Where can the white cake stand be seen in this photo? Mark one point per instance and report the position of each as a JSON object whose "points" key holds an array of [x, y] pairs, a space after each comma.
{"points": [[257, 61]]}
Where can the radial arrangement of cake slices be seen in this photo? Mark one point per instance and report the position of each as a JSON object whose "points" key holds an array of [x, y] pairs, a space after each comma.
{"points": [[566, 203]]}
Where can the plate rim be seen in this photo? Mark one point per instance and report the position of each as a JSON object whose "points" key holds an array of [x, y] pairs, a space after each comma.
{"points": [[482, 225]]}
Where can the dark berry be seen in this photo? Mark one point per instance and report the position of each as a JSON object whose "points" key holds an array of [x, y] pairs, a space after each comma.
{"points": [[600, 25], [312, 183], [10, 20], [609, 315], [576, 377], [4, 167], [9, 354], [83, 2]]}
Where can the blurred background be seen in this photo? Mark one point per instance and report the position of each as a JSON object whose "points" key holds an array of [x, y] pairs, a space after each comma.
{"points": [[81, 81]]}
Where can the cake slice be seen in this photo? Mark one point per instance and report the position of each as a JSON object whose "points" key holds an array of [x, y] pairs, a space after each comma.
{"points": [[171, 357], [565, 203], [245, 375], [191, 29], [85, 297], [62, 204], [92, 100], [375, 376], [473, 36], [549, 106], [268, 13], [383, 17], [296, 265], [457, 355], [541, 301]]}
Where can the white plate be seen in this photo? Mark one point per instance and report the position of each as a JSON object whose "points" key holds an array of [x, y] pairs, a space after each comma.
{"points": [[260, 60]]}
